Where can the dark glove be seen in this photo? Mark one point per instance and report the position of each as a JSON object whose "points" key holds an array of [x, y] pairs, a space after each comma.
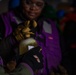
{"points": [[7, 46], [34, 58]]}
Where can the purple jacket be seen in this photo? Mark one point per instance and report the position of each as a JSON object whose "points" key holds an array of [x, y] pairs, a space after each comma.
{"points": [[50, 44]]}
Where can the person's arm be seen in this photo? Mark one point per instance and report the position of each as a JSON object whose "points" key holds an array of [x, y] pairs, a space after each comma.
{"points": [[8, 42], [23, 69], [31, 62], [4, 43]]}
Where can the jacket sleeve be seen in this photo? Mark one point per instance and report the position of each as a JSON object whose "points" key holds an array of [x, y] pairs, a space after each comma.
{"points": [[22, 69], [7, 43], [7, 46]]}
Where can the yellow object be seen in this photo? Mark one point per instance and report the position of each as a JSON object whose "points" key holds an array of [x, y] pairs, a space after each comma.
{"points": [[25, 44], [23, 31], [28, 41], [34, 23]]}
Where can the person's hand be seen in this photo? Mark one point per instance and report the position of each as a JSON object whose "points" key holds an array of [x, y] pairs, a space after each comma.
{"points": [[23, 31], [11, 65], [34, 58]]}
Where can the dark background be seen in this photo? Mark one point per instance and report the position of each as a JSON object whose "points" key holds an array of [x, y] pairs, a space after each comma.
{"points": [[3, 5]]}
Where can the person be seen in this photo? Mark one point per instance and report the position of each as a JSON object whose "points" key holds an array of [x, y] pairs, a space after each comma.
{"points": [[28, 21], [26, 67], [15, 3]]}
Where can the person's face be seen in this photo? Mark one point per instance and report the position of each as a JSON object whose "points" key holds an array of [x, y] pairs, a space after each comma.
{"points": [[32, 8]]}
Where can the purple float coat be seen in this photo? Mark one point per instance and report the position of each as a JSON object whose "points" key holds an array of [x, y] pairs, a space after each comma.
{"points": [[50, 44]]}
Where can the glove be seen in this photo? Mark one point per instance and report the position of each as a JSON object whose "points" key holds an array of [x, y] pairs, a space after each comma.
{"points": [[7, 49], [33, 58], [19, 32], [23, 31]]}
